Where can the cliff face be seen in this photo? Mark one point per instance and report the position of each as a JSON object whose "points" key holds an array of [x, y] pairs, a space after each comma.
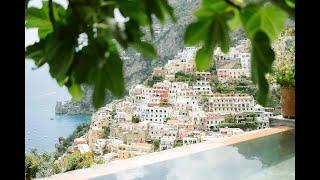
{"points": [[76, 107]]}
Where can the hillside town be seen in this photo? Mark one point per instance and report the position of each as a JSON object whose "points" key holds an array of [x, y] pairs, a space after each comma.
{"points": [[177, 106]]}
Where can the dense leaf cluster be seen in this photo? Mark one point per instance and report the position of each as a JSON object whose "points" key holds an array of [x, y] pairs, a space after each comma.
{"points": [[187, 77], [153, 80]]}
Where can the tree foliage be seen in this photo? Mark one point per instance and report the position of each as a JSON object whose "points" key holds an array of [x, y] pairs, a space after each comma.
{"points": [[135, 119], [97, 62], [78, 161], [156, 144], [154, 80], [106, 131], [187, 77], [39, 165]]}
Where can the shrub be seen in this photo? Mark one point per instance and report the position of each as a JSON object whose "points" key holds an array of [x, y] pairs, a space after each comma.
{"points": [[77, 160], [135, 119], [156, 144], [284, 73], [179, 143]]}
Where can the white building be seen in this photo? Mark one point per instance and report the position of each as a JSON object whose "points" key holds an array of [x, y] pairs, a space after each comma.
{"points": [[167, 142], [202, 87], [155, 114], [99, 146], [156, 131], [245, 61], [199, 119], [189, 140], [109, 156], [231, 131], [83, 148], [230, 103]]}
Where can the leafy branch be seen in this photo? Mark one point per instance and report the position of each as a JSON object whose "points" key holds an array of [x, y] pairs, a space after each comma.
{"points": [[51, 16], [230, 2], [99, 64]]}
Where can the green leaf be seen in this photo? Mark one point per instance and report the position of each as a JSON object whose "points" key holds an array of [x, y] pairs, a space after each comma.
{"points": [[134, 11], [76, 91], [146, 49], [39, 18], [269, 19], [235, 22], [290, 3], [36, 53], [221, 32], [261, 64], [204, 58], [59, 52], [168, 9], [196, 32]]}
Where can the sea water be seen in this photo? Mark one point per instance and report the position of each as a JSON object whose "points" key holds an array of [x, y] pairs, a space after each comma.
{"points": [[42, 126]]}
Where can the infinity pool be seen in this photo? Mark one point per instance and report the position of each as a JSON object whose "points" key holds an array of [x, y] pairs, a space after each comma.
{"points": [[270, 157]]}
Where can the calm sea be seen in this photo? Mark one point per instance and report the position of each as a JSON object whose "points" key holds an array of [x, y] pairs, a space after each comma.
{"points": [[41, 94]]}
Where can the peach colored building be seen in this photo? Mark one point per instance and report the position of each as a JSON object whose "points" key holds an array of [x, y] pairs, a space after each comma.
{"points": [[225, 75]]}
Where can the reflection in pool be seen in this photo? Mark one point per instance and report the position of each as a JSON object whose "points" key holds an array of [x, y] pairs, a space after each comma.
{"points": [[271, 157]]}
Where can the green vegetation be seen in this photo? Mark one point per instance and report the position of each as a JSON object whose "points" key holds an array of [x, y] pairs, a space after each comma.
{"points": [[106, 131], [38, 165], [274, 101], [154, 80], [179, 143], [187, 77], [204, 102], [229, 119], [78, 161], [135, 119], [166, 119], [98, 64], [244, 85], [249, 122], [156, 144], [64, 143], [44, 165], [284, 73], [244, 125]]}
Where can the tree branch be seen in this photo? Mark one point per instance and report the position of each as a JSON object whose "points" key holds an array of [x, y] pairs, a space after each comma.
{"points": [[51, 16], [233, 4]]}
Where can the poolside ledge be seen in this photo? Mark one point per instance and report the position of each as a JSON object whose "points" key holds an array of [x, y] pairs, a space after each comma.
{"points": [[281, 121], [126, 164]]}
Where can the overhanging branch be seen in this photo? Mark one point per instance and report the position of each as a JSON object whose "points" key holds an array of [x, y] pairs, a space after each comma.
{"points": [[51, 15]]}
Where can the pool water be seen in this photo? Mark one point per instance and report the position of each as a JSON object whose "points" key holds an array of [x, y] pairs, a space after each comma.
{"points": [[270, 157]]}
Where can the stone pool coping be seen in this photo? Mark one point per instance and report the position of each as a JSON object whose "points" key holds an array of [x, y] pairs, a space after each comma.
{"points": [[126, 164]]}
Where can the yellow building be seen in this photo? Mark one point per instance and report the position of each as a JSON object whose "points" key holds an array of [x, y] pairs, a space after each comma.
{"points": [[124, 155], [189, 127]]}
